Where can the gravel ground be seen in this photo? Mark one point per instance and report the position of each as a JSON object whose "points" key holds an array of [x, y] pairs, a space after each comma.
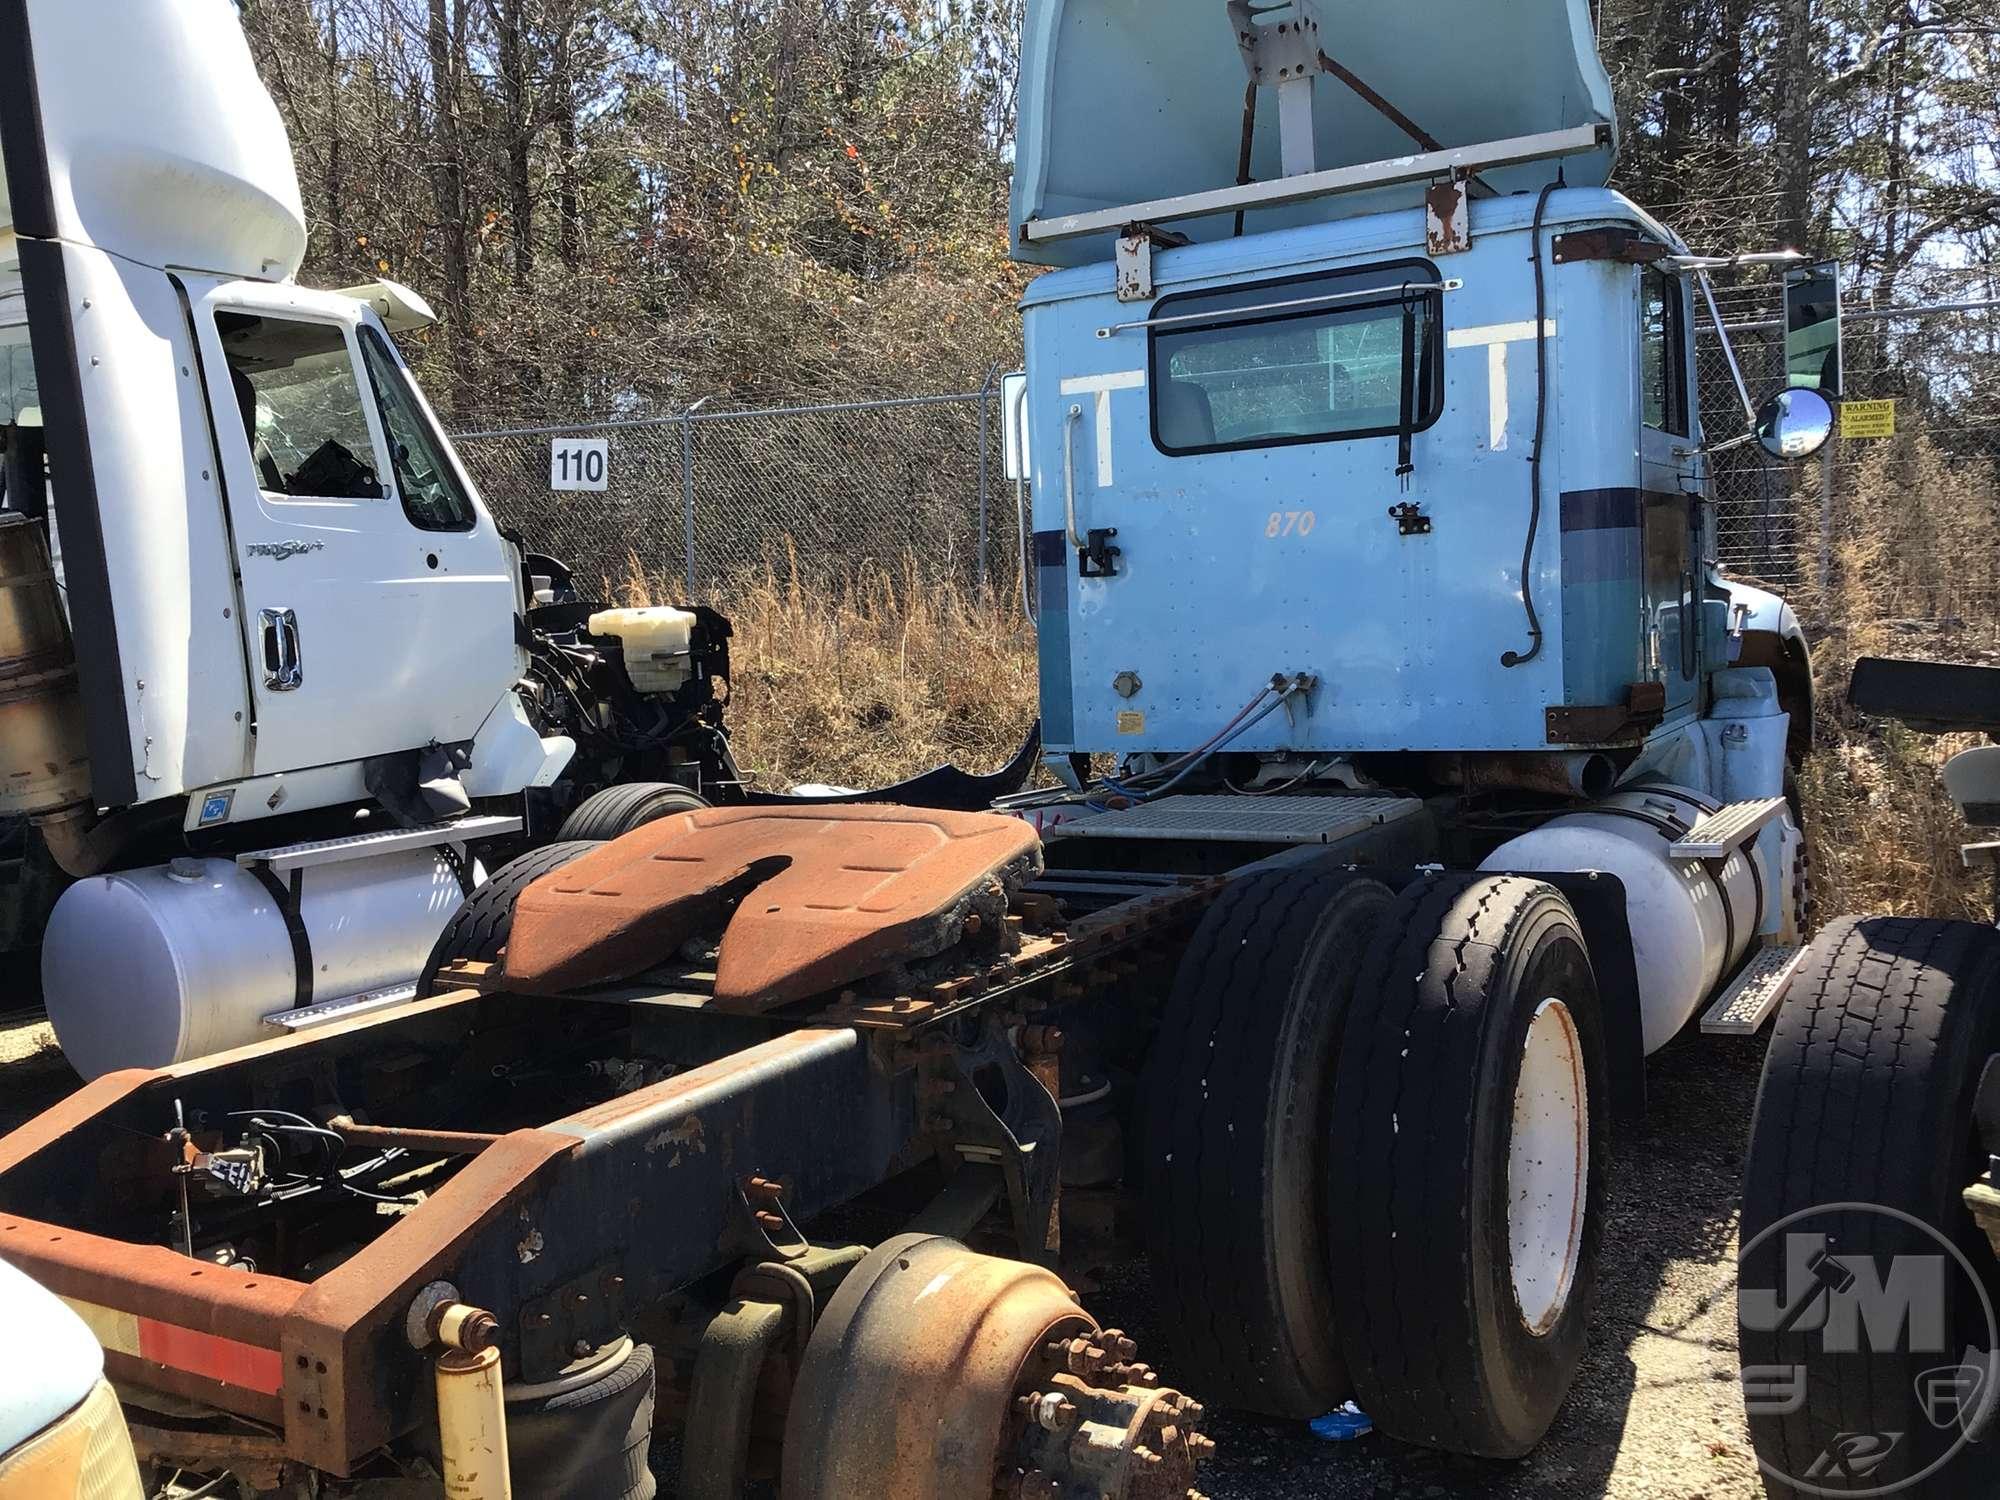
{"points": [[1655, 1413]]}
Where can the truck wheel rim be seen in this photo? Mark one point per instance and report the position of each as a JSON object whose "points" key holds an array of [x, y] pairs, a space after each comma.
{"points": [[1548, 1167]]}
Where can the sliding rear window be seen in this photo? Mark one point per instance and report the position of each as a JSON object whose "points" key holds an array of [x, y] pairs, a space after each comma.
{"points": [[1309, 359]]}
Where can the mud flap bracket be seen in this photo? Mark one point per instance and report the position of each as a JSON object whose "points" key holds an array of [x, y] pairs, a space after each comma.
{"points": [[985, 1107]]}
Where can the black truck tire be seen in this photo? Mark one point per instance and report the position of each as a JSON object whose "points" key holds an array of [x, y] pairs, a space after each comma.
{"points": [[590, 1443], [478, 929], [1867, 1098], [1235, 1144], [1471, 1126], [615, 810]]}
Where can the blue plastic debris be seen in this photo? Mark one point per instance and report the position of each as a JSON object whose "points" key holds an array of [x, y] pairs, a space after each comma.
{"points": [[1343, 1424]]}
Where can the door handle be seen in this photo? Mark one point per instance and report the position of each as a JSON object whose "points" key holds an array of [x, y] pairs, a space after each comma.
{"points": [[283, 670]]}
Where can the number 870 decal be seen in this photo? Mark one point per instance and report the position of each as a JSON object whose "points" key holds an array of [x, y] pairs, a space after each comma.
{"points": [[1290, 523]]}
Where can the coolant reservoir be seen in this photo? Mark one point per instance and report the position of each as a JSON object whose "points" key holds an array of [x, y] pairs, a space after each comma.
{"points": [[657, 651], [43, 764]]}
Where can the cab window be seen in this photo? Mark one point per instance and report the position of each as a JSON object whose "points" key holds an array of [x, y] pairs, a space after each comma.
{"points": [[1349, 354], [433, 498], [301, 407], [1663, 383]]}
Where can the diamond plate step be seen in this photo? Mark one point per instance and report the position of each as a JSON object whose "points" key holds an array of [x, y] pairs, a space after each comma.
{"points": [[290, 857], [1743, 1008], [346, 1008], [1242, 820], [1719, 834]]}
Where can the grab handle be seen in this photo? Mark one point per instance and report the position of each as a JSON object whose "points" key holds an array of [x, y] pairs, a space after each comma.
{"points": [[1070, 419]]}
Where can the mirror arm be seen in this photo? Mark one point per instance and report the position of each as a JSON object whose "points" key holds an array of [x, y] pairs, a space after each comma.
{"points": [[1702, 450], [1728, 348]]}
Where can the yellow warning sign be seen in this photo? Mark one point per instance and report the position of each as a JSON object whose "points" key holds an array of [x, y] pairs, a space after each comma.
{"points": [[1867, 419], [1131, 723]]}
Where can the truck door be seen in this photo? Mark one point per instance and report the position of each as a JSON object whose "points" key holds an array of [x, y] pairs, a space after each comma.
{"points": [[378, 599], [1669, 503]]}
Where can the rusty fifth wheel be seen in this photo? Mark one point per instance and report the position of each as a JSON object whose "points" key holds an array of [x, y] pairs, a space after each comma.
{"points": [[941, 1374]]}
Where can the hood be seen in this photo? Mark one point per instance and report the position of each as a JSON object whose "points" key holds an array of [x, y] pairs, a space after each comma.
{"points": [[1126, 101]]}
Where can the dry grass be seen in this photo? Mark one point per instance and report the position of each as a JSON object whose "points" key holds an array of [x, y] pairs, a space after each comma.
{"points": [[869, 676], [1915, 574]]}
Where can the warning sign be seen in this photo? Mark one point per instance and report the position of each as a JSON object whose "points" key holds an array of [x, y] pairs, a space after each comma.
{"points": [[1867, 419]]}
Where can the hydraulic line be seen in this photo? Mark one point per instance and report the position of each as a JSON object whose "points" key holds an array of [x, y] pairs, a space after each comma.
{"points": [[1235, 734], [1229, 734], [1205, 746], [1522, 658]]}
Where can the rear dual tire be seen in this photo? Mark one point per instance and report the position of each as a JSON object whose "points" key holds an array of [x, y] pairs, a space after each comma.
{"points": [[1472, 1118], [1374, 1134]]}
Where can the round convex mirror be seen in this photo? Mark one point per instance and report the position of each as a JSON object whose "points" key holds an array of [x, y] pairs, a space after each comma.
{"points": [[1795, 423]]}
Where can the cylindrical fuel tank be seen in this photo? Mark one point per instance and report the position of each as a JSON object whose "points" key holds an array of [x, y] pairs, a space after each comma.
{"points": [[43, 763], [1689, 925], [153, 966]]}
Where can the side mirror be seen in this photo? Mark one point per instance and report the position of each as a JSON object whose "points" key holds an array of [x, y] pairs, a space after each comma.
{"points": [[1013, 425], [1812, 328], [1796, 423]]}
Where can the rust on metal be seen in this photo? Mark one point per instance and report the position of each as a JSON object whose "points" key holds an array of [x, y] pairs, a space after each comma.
{"points": [[252, 1457], [824, 896], [443, 1142], [339, 1398], [1447, 227], [937, 1373], [151, 1282]]}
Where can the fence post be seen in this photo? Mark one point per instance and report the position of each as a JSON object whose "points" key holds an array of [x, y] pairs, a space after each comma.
{"points": [[687, 492], [1826, 475], [985, 429]]}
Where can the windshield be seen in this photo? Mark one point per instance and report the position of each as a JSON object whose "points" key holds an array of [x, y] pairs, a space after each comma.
{"points": [[433, 497]]}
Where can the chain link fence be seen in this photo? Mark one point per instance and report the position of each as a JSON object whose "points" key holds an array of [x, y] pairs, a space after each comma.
{"points": [[1894, 538], [691, 499]]}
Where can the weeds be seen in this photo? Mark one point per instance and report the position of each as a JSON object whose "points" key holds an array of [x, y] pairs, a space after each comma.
{"points": [[869, 675]]}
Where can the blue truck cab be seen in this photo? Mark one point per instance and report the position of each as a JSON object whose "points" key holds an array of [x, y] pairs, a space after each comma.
{"points": [[1372, 558], [1426, 438]]}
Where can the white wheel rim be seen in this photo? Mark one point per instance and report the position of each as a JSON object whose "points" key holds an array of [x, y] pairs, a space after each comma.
{"points": [[1548, 1167]]}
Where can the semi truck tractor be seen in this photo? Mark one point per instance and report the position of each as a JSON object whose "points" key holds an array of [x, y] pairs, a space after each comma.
{"points": [[1413, 772], [290, 679]]}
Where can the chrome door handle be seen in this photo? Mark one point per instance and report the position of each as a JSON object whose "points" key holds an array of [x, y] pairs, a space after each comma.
{"points": [[283, 670]]}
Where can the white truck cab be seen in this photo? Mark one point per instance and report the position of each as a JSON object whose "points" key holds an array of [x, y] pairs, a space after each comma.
{"points": [[293, 678]]}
